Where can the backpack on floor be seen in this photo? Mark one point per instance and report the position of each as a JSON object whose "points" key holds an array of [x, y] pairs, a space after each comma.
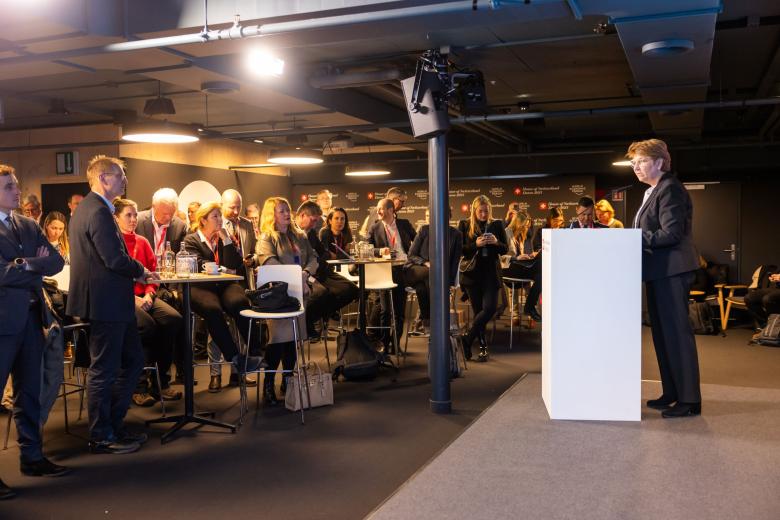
{"points": [[358, 358], [701, 317], [770, 335]]}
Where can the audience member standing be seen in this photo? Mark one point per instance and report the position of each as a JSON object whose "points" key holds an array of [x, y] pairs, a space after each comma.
{"points": [[252, 212], [31, 208], [26, 256], [73, 202], [101, 291], [668, 261], [159, 324], [392, 236], [241, 232], [484, 241], [325, 202]]}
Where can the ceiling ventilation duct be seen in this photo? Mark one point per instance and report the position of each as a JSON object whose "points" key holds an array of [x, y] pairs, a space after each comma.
{"points": [[355, 79]]}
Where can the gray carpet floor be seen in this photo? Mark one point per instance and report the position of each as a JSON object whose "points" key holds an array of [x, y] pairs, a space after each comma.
{"points": [[514, 462]]}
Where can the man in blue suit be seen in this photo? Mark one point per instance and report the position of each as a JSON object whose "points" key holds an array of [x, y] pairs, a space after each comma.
{"points": [[669, 259], [25, 258], [101, 291]]}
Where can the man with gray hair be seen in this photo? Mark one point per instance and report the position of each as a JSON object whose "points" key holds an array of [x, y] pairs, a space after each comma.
{"points": [[160, 224]]}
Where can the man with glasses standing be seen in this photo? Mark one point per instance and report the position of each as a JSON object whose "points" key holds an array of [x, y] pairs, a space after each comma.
{"points": [[669, 260], [25, 258], [101, 292]]}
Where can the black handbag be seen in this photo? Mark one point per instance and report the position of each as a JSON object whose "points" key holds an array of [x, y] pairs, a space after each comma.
{"points": [[272, 297], [467, 264]]}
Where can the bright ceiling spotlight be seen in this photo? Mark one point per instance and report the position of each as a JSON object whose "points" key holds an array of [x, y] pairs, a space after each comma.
{"points": [[294, 157], [622, 163], [161, 132], [366, 170], [263, 63]]}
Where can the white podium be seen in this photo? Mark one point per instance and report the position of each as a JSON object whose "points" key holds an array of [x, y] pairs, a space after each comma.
{"points": [[591, 324]]}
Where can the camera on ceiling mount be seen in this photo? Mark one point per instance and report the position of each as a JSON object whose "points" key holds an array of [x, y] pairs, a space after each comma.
{"points": [[433, 89]]}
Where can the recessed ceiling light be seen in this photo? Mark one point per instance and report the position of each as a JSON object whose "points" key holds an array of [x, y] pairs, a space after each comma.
{"points": [[622, 163], [366, 170], [259, 141]]}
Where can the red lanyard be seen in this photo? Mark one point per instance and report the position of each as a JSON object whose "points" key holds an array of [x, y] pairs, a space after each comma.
{"points": [[215, 250], [161, 241], [390, 236]]}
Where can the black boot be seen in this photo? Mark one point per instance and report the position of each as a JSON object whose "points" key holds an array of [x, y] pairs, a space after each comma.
{"points": [[269, 395], [483, 349]]}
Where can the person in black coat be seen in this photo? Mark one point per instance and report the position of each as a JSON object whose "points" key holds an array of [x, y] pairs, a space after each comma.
{"points": [[393, 236], [585, 215], [26, 256], [101, 291], [669, 259], [417, 267], [484, 241]]}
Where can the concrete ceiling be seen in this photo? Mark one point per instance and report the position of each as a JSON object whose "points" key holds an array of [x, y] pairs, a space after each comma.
{"points": [[545, 54]]}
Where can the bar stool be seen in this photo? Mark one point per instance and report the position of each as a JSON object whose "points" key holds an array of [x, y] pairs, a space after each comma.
{"points": [[291, 274], [379, 278], [351, 310], [516, 283]]}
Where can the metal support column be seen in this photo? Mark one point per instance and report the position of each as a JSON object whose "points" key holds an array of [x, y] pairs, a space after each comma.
{"points": [[438, 193]]}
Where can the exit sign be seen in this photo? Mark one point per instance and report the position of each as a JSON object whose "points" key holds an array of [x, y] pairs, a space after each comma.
{"points": [[67, 163]]}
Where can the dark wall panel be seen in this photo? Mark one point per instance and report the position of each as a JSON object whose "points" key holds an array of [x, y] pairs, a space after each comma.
{"points": [[760, 225]]}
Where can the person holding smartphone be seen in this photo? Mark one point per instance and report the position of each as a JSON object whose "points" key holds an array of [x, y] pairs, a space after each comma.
{"points": [[484, 241]]}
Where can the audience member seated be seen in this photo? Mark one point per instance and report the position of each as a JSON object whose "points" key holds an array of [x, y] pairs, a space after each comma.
{"points": [[55, 228], [554, 220], [511, 210], [338, 290], [397, 195], [281, 243], [522, 261], [605, 214], [160, 224], [336, 236], [158, 323], [392, 236], [484, 241], [418, 264], [31, 207], [325, 202], [211, 243], [585, 214], [765, 301]]}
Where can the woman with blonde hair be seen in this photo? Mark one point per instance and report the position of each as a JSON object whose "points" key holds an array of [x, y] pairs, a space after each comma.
{"points": [[523, 262], [605, 214], [55, 228], [281, 242], [484, 241]]}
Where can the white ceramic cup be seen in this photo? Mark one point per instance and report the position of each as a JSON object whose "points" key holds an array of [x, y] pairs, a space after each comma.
{"points": [[211, 268]]}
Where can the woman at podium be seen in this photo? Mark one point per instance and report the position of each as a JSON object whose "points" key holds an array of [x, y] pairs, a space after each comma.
{"points": [[484, 241]]}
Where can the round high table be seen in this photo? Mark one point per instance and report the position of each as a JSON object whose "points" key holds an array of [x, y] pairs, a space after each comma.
{"points": [[190, 416]]}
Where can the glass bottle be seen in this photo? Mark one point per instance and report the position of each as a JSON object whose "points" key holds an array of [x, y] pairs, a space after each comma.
{"points": [[169, 260]]}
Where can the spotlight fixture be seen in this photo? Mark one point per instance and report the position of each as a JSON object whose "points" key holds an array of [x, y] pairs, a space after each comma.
{"points": [[295, 157], [622, 163], [366, 170], [663, 48], [158, 132], [263, 63]]}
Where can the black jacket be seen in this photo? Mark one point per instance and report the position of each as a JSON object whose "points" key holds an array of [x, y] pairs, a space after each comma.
{"points": [[378, 237], [488, 267], [102, 272], [667, 231], [228, 255], [419, 253], [175, 233]]}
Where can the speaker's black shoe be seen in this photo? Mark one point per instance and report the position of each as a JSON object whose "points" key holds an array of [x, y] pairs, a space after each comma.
{"points": [[682, 410], [483, 349], [43, 468], [533, 314], [6, 492], [662, 403]]}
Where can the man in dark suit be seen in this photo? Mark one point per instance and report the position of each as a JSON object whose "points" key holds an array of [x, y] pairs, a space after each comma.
{"points": [[241, 232], [101, 291], [585, 215], [160, 224], [393, 236], [668, 262], [25, 258]]}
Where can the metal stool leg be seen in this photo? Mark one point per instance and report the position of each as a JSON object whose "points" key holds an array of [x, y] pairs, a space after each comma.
{"points": [[393, 330], [301, 367], [511, 314], [325, 340], [159, 387], [408, 304]]}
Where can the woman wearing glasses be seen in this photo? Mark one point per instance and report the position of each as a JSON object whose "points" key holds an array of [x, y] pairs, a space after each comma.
{"points": [[484, 241]]}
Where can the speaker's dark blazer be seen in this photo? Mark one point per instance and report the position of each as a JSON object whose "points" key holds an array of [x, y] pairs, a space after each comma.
{"points": [[102, 272], [419, 253], [175, 233], [378, 237], [667, 236], [16, 284]]}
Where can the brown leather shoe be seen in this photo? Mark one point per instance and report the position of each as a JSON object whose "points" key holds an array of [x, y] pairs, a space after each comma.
{"points": [[215, 385]]}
